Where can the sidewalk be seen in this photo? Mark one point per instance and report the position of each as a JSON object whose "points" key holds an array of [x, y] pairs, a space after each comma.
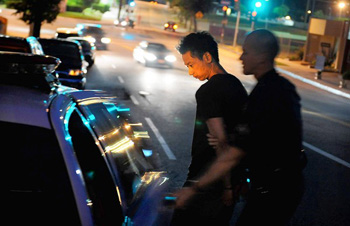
{"points": [[329, 81]]}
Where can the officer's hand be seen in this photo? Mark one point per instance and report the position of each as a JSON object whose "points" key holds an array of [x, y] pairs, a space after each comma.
{"points": [[183, 196], [213, 141]]}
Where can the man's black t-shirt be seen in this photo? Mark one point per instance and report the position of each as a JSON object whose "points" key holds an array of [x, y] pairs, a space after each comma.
{"points": [[222, 96], [273, 116]]}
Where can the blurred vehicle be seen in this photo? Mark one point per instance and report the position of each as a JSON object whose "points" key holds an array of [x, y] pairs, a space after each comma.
{"points": [[21, 45], [124, 22], [153, 54], [95, 34], [89, 49], [64, 32], [170, 25], [73, 68], [73, 157]]}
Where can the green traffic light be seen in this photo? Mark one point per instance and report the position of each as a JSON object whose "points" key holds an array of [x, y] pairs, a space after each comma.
{"points": [[258, 4]]}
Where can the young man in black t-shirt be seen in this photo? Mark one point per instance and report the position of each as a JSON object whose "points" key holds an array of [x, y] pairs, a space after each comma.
{"points": [[220, 101]]}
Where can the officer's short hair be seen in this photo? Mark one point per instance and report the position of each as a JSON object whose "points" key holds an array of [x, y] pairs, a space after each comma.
{"points": [[265, 42], [199, 43]]}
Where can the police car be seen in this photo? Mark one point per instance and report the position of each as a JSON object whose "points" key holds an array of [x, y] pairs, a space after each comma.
{"points": [[71, 157]]}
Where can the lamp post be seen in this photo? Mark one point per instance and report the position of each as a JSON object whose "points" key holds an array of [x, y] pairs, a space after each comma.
{"points": [[341, 6]]}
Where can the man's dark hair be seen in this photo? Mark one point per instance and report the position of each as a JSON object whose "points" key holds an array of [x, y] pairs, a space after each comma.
{"points": [[199, 43]]}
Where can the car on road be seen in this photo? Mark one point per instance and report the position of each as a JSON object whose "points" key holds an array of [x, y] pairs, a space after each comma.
{"points": [[94, 32], [73, 68], [171, 25], [19, 44], [89, 49], [72, 157], [124, 22], [153, 54]]}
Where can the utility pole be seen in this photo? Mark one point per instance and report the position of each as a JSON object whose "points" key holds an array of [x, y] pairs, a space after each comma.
{"points": [[306, 11], [238, 10]]}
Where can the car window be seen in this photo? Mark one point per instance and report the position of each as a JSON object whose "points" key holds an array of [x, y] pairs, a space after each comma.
{"points": [[99, 181], [92, 31], [123, 142], [61, 50], [156, 47], [66, 35], [37, 181]]}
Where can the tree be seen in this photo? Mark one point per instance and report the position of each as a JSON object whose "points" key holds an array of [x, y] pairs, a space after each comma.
{"points": [[281, 11], [35, 12], [190, 8]]}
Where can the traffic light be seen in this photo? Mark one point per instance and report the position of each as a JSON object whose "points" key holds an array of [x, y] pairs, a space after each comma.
{"points": [[132, 3], [224, 8], [254, 14], [237, 5]]}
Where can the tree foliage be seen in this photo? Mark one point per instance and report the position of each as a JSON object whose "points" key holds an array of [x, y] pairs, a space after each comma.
{"points": [[190, 8], [36, 12]]}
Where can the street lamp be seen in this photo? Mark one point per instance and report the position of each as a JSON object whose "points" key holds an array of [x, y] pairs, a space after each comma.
{"points": [[341, 6]]}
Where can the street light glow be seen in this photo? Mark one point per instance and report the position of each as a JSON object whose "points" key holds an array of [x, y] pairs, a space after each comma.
{"points": [[341, 5], [258, 4]]}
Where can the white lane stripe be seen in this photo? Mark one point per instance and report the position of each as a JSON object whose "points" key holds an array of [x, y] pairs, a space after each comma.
{"points": [[316, 84], [120, 78], [134, 100], [161, 140], [326, 154]]}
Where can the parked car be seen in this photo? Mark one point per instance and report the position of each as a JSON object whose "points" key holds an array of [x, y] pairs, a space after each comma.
{"points": [[21, 45], [94, 32], [72, 157], [153, 54], [171, 25], [124, 22], [73, 68], [88, 48]]}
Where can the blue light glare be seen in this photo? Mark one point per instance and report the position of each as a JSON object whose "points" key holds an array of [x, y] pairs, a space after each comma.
{"points": [[92, 117], [147, 152]]}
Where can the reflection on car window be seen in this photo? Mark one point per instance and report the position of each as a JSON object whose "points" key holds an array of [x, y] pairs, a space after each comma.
{"points": [[99, 182], [121, 143], [37, 180]]}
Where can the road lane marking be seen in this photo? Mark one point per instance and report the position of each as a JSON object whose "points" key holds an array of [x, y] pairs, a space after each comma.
{"points": [[161, 140], [326, 154], [316, 84], [134, 100], [121, 80], [326, 117]]}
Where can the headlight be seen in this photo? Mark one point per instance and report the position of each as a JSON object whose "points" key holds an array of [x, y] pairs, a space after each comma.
{"points": [[105, 40], [124, 23], [75, 72], [116, 22], [170, 58], [150, 56], [90, 39]]}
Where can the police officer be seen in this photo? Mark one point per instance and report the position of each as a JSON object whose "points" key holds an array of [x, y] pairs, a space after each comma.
{"points": [[269, 140]]}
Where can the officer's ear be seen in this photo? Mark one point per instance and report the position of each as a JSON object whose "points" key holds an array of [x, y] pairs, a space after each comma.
{"points": [[207, 58]]}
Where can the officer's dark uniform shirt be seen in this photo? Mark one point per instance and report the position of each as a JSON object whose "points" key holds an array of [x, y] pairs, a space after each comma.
{"points": [[273, 137], [222, 96]]}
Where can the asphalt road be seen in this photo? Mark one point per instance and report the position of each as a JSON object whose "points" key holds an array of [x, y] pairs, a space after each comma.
{"points": [[167, 109]]}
